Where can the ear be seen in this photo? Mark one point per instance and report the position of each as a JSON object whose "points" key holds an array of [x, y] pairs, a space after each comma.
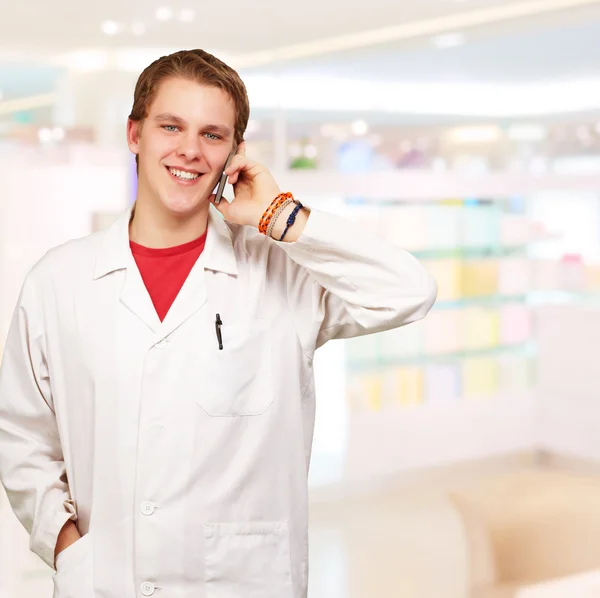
{"points": [[133, 135]]}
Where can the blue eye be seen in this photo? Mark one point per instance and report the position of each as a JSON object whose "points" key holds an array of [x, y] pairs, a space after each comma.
{"points": [[170, 128], [212, 136]]}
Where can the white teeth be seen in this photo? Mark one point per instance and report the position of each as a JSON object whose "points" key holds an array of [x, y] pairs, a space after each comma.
{"points": [[186, 176]]}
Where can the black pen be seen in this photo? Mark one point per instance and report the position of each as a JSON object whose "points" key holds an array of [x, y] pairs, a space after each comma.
{"points": [[218, 325]]}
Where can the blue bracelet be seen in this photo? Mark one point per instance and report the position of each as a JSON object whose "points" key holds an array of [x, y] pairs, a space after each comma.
{"points": [[291, 219]]}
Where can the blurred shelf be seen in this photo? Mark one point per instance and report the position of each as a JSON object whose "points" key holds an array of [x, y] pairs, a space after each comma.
{"points": [[487, 301], [442, 433], [496, 251], [469, 252], [440, 406], [362, 365], [564, 297], [425, 185], [530, 298]]}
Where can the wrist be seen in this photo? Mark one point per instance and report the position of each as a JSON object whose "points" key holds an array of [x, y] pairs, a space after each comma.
{"points": [[69, 534], [271, 211], [281, 223], [263, 206], [290, 225]]}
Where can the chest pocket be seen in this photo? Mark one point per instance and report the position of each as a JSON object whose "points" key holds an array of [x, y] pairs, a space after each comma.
{"points": [[239, 377]]}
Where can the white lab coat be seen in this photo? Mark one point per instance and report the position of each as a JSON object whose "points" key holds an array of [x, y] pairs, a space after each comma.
{"points": [[185, 466]]}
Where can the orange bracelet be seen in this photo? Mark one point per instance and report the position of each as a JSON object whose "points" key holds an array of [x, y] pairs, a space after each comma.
{"points": [[270, 211], [275, 204], [268, 215]]}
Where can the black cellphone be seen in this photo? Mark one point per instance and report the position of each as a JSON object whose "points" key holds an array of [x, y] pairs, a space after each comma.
{"points": [[223, 181]]}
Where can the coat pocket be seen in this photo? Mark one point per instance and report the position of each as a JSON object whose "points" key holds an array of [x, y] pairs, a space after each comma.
{"points": [[74, 577], [238, 379], [248, 559]]}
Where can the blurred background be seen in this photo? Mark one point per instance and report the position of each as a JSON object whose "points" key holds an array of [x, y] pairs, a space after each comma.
{"points": [[458, 457]]}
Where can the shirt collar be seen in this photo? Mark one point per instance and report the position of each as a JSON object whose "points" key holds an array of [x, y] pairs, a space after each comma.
{"points": [[114, 252]]}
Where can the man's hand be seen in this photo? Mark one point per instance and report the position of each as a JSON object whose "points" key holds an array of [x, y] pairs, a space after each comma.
{"points": [[254, 189], [68, 535]]}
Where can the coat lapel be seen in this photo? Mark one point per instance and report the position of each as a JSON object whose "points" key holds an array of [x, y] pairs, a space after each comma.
{"points": [[114, 254], [219, 256]]}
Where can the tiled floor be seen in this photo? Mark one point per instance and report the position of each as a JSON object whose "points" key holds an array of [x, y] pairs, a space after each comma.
{"points": [[404, 545], [402, 542], [399, 545]]}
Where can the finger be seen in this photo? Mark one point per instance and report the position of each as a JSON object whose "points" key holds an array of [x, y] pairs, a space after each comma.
{"points": [[222, 206], [239, 165]]}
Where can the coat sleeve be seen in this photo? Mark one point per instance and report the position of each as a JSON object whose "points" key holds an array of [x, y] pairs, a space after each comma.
{"points": [[32, 468], [343, 281]]}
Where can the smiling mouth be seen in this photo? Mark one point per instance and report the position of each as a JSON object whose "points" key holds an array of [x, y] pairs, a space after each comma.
{"points": [[183, 176]]}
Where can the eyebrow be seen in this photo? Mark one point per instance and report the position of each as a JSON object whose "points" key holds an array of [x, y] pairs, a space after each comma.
{"points": [[170, 117], [221, 129]]}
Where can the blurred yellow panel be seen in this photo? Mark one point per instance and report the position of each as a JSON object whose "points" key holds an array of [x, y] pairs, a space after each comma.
{"points": [[480, 377], [480, 278], [448, 275]]}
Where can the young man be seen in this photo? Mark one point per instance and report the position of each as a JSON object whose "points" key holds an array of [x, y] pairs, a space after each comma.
{"points": [[156, 394]]}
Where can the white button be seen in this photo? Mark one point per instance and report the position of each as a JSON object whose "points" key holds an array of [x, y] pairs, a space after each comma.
{"points": [[147, 508], [148, 588], [162, 344]]}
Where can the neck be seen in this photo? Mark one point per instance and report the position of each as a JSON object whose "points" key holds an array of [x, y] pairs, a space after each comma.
{"points": [[159, 229]]}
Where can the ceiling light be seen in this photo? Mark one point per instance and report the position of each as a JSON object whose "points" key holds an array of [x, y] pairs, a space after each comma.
{"points": [[186, 15], [483, 134], [164, 13], [45, 135], [527, 132], [360, 127], [110, 28], [138, 28], [58, 134], [448, 40]]}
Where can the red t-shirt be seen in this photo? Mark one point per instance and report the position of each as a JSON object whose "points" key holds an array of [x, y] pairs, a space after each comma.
{"points": [[165, 270]]}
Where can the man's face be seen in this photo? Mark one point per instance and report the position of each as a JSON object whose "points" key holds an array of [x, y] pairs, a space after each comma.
{"points": [[183, 145]]}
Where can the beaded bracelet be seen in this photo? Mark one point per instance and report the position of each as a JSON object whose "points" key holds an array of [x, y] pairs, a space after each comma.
{"points": [[268, 214], [276, 215], [291, 219]]}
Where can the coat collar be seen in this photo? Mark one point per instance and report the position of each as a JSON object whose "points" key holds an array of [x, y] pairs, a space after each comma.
{"points": [[114, 252]]}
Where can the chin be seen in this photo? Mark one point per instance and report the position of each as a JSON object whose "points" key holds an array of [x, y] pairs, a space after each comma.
{"points": [[185, 205]]}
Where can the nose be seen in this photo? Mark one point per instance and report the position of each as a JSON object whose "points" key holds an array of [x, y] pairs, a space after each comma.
{"points": [[190, 148]]}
